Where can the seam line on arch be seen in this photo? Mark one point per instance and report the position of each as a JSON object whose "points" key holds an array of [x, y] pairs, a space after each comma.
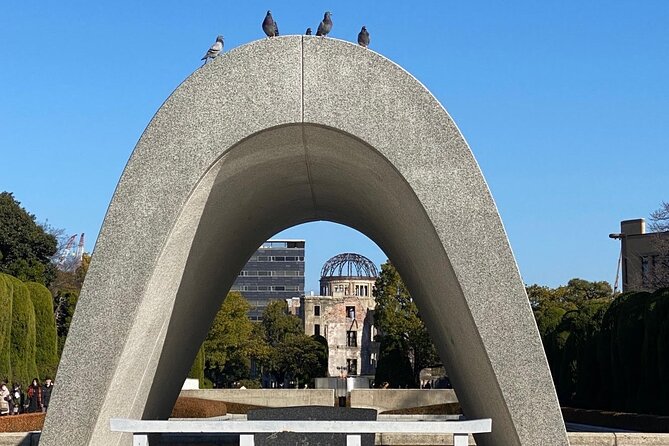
{"points": [[304, 136]]}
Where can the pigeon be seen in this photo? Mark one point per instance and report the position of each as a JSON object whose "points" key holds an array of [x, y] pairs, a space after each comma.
{"points": [[308, 33], [326, 25], [363, 37], [269, 25], [216, 48]]}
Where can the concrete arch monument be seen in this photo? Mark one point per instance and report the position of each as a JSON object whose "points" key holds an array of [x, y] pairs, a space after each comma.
{"points": [[272, 134]]}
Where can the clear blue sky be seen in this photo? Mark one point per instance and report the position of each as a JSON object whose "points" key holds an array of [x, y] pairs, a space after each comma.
{"points": [[565, 105]]}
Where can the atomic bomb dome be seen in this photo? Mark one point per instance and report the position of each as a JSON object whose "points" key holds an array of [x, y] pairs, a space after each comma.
{"points": [[350, 265]]}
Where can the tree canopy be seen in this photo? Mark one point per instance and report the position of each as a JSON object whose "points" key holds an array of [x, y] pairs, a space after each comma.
{"points": [[402, 332], [25, 247], [232, 342], [659, 218], [293, 354]]}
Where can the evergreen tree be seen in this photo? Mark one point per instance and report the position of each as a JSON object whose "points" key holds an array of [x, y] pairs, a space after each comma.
{"points": [[6, 290], [23, 336], [25, 248], [46, 356], [232, 342], [402, 330]]}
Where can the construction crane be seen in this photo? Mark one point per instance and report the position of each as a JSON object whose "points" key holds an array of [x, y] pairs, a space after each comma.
{"points": [[61, 257], [68, 259], [79, 255]]}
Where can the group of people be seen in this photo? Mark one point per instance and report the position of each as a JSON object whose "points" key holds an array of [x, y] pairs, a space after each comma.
{"points": [[16, 401]]}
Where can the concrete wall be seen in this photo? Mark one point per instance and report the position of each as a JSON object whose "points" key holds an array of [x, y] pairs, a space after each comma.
{"points": [[388, 399], [267, 397], [19, 438], [575, 439]]}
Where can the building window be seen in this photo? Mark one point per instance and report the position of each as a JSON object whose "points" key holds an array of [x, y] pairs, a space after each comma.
{"points": [[645, 272], [351, 338], [362, 290], [317, 310], [350, 312], [352, 366], [317, 330]]}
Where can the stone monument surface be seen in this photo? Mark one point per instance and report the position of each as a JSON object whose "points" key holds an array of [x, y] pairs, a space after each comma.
{"points": [[311, 413], [272, 134]]}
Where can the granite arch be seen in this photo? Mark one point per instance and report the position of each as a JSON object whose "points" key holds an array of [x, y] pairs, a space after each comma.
{"points": [[273, 134]]}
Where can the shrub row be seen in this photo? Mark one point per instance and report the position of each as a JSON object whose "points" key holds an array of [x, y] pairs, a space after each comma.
{"points": [[28, 340], [612, 355]]}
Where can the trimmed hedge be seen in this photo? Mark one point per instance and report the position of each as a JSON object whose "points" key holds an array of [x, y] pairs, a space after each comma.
{"points": [[22, 423], [612, 356], [6, 288], [188, 407], [22, 353], [46, 356]]}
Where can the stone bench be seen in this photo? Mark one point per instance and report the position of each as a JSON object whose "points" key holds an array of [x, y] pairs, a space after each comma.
{"points": [[141, 429]]}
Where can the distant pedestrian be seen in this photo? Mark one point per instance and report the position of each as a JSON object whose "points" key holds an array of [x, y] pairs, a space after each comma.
{"points": [[17, 399], [46, 392], [35, 396], [5, 397]]}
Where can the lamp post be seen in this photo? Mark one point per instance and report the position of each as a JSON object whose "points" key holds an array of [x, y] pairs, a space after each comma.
{"points": [[618, 236]]}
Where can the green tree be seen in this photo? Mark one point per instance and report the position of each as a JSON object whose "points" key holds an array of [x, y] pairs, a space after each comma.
{"points": [[293, 355], [569, 320], [279, 323], [67, 300], [579, 291], [6, 290], [23, 337], [46, 355], [232, 342], [25, 248], [65, 289], [398, 320], [299, 358]]}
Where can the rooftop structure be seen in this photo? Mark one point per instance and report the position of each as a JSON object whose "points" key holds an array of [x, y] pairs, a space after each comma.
{"points": [[644, 256]]}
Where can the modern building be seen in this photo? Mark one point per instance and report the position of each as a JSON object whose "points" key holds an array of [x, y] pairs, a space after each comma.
{"points": [[644, 256], [344, 315], [274, 272]]}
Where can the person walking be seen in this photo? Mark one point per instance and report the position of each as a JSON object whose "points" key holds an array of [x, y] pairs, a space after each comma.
{"points": [[46, 393], [35, 396], [17, 399], [5, 397]]}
